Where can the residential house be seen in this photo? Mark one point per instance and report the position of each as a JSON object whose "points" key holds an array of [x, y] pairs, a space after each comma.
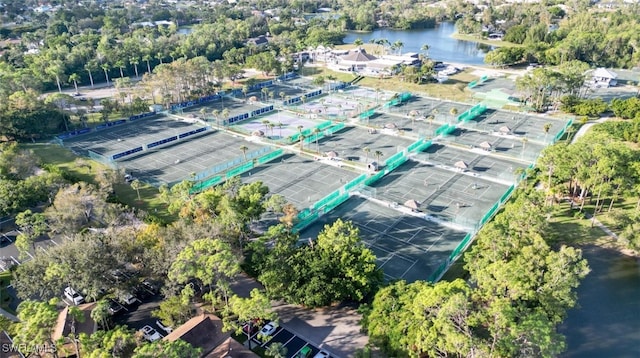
{"points": [[67, 324], [601, 77], [259, 41], [205, 331]]}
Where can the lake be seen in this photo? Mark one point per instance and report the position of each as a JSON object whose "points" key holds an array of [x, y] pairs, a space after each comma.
{"points": [[606, 322], [443, 47]]}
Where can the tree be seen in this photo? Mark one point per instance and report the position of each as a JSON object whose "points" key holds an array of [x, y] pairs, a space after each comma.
{"points": [[209, 260], [32, 225], [316, 133], [74, 77], [546, 128], [245, 310], [117, 342], [244, 149], [135, 185], [100, 314], [276, 350], [105, 67], [366, 151], [174, 310], [378, 154], [453, 112], [175, 349], [35, 328]]}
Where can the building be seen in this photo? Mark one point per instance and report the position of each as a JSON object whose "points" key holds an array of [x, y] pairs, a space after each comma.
{"points": [[66, 324], [205, 331], [601, 77], [259, 41]]}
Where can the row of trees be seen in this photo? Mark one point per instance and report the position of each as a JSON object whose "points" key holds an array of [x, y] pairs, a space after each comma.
{"points": [[518, 291], [599, 38]]}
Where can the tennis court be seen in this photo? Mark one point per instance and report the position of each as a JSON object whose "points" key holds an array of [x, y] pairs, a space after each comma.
{"points": [[358, 93], [446, 193], [480, 162], [349, 144], [413, 126], [521, 125], [407, 247], [285, 124], [300, 180], [276, 91], [332, 107], [178, 162], [424, 107], [518, 148], [130, 135]]}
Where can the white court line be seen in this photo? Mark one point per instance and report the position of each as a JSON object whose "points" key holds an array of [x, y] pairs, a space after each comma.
{"points": [[15, 260], [407, 270]]}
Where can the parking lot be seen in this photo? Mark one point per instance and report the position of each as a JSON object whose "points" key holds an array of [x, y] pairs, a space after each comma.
{"points": [[293, 343]]}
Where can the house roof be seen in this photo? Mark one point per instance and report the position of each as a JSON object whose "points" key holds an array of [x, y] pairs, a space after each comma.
{"points": [[203, 331], [359, 55], [604, 73], [232, 349], [63, 326]]}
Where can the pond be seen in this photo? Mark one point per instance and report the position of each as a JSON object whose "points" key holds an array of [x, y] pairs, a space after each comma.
{"points": [[442, 47], [606, 322]]}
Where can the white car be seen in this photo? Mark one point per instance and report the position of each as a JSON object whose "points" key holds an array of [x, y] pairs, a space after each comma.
{"points": [[163, 327], [322, 354], [269, 329], [73, 296], [151, 334]]}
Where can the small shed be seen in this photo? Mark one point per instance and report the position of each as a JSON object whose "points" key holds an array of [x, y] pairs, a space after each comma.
{"points": [[391, 126], [258, 133], [461, 165], [332, 154], [486, 146], [372, 166], [504, 130], [412, 204]]}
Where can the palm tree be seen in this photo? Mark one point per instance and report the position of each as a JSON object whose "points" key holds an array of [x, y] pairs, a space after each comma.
{"points": [[378, 154], [282, 95], [90, 66], [280, 127], [358, 42], [265, 93], [203, 113], [146, 58], [316, 132], [134, 61], [135, 185], [105, 68], [100, 313], [120, 65], [215, 113], [225, 115], [266, 125], [302, 138], [271, 95], [271, 125], [398, 45], [366, 151], [244, 149], [74, 77], [524, 143], [425, 48], [276, 350], [546, 128]]}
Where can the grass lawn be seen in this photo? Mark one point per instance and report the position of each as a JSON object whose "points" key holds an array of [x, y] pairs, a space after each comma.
{"points": [[68, 162], [5, 280]]}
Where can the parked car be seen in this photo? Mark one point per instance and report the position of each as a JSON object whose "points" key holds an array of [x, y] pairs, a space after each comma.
{"points": [[322, 354], [151, 287], [115, 307], [150, 334], [269, 329], [73, 296], [128, 299], [164, 327], [305, 352], [141, 292]]}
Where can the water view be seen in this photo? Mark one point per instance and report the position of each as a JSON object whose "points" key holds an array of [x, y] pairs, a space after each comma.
{"points": [[442, 47]]}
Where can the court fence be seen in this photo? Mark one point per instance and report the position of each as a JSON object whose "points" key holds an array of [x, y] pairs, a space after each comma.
{"points": [[251, 162], [472, 113], [308, 132], [327, 132]]}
